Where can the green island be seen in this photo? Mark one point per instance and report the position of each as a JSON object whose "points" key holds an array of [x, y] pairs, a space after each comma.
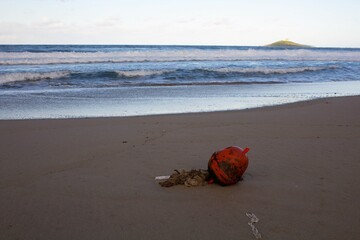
{"points": [[287, 43]]}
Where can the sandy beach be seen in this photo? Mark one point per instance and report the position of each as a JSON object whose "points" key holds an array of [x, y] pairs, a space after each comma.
{"points": [[94, 178]]}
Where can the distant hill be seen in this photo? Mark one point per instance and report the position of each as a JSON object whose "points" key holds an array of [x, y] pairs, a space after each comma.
{"points": [[286, 43]]}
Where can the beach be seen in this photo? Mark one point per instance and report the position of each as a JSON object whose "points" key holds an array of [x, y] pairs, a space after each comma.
{"points": [[93, 178]]}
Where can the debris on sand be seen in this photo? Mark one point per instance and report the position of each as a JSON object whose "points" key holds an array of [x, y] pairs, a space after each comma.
{"points": [[192, 178], [253, 219], [225, 167]]}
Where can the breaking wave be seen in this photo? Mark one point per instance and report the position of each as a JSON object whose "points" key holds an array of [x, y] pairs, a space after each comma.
{"points": [[169, 76], [171, 55], [141, 73], [29, 76], [267, 71]]}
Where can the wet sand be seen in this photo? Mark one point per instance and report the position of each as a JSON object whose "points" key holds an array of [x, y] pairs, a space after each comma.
{"points": [[94, 178]]}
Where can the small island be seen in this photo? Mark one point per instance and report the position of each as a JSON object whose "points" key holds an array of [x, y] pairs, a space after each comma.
{"points": [[286, 43]]}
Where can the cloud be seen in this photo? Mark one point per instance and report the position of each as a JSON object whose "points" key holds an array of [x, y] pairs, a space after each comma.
{"points": [[196, 22], [220, 22], [187, 20], [50, 23], [109, 22], [48, 30], [6, 38]]}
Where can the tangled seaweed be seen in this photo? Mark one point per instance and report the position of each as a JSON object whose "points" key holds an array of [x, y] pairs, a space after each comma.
{"points": [[192, 178]]}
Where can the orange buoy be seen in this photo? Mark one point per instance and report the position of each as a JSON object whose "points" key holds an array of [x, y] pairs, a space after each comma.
{"points": [[228, 165]]}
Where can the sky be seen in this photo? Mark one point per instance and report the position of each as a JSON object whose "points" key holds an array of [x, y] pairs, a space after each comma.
{"points": [[321, 23]]}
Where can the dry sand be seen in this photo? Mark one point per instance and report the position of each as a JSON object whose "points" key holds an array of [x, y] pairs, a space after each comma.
{"points": [[94, 178]]}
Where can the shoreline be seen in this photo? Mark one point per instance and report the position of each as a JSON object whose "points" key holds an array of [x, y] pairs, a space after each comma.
{"points": [[93, 178], [120, 102], [190, 113]]}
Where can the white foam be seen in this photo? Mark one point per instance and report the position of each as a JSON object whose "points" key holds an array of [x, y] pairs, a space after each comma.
{"points": [[272, 70], [29, 76], [10, 58], [141, 73]]}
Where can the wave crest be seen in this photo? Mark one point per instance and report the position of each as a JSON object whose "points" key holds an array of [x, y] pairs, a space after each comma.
{"points": [[148, 76], [155, 55], [28, 76], [268, 71], [141, 73]]}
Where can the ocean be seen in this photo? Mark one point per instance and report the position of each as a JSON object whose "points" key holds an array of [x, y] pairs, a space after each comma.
{"points": [[77, 81]]}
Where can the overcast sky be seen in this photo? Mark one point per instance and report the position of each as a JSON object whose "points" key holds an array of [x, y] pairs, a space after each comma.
{"points": [[323, 23]]}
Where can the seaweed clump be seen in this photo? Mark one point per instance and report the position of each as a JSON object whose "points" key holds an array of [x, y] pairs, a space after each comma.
{"points": [[192, 178]]}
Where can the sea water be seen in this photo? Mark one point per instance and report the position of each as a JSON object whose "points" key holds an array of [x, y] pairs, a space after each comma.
{"points": [[71, 81]]}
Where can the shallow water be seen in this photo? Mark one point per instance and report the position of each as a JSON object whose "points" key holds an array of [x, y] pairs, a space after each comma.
{"points": [[106, 102]]}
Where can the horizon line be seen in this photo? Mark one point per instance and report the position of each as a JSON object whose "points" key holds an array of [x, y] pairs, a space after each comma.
{"points": [[156, 44]]}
